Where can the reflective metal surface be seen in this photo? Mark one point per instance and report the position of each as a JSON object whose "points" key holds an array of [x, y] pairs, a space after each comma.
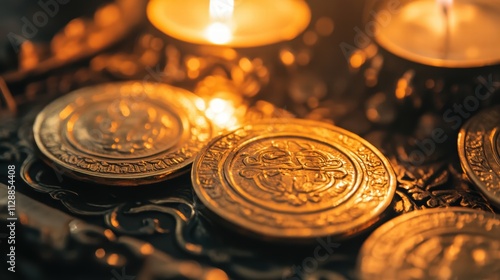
{"points": [[123, 134], [453, 243], [479, 150], [294, 179]]}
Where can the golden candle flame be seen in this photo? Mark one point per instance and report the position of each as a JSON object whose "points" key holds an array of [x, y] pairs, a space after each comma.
{"points": [[222, 113], [221, 12]]}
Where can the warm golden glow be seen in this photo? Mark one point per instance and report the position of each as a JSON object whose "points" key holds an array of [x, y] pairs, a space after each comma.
{"points": [[100, 253], [109, 234], [357, 59], [107, 15], [29, 57], [221, 112], [221, 10], [147, 249], [479, 256], [403, 88], [75, 28], [114, 220], [193, 248], [287, 57], [200, 104], [218, 105], [222, 102], [216, 274], [66, 112], [445, 2], [190, 269], [310, 38], [221, 13], [221, 22], [193, 63], [113, 259], [324, 26], [443, 33], [124, 109], [246, 65], [218, 33]]}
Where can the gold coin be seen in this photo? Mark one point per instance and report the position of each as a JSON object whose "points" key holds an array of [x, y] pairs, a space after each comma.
{"points": [[452, 243], [291, 179], [123, 134], [479, 151]]}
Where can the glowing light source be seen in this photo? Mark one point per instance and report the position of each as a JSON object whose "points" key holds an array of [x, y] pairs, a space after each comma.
{"points": [[229, 23], [222, 113], [218, 33], [443, 33], [221, 13], [100, 253], [222, 102], [221, 10]]}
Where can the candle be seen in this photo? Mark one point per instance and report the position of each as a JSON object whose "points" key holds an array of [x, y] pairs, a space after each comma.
{"points": [[240, 23], [444, 33]]}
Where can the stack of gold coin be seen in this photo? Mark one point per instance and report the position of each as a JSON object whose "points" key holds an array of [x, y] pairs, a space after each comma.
{"points": [[453, 243], [124, 134], [291, 179], [479, 150]]}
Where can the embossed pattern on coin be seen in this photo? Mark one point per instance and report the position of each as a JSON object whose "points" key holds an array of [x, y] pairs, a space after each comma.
{"points": [[479, 150], [122, 133], [294, 180], [451, 243]]}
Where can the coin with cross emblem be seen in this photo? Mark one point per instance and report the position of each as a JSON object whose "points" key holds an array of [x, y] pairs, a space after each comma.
{"points": [[293, 179], [479, 151], [453, 243], [129, 133]]}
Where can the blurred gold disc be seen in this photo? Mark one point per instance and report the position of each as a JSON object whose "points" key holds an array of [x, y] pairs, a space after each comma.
{"points": [[123, 134], [292, 179], [452, 243], [479, 151]]}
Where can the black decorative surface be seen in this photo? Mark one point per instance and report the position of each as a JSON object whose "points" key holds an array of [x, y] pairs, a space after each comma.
{"points": [[362, 99]]}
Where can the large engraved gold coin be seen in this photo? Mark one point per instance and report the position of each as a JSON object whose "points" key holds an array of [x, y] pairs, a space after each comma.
{"points": [[479, 150], [128, 133], [293, 179], [453, 243]]}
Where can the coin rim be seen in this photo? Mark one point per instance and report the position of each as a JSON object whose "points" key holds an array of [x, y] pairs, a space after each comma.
{"points": [[275, 235], [370, 244], [462, 135]]}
